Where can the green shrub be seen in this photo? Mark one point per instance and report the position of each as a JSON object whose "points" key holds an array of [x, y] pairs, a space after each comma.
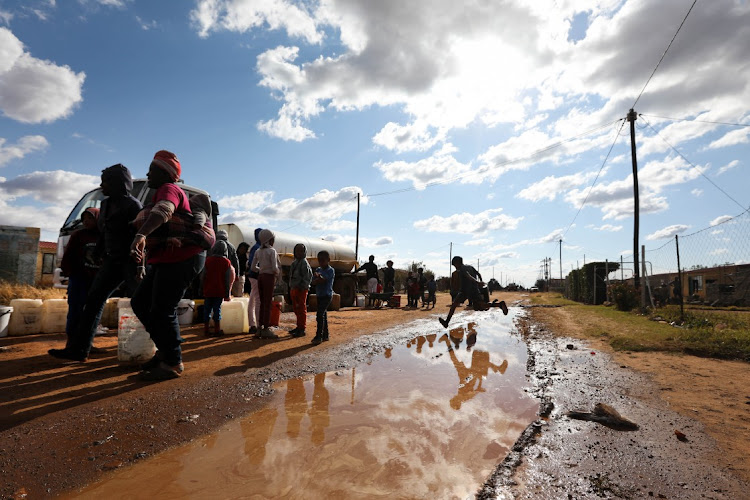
{"points": [[624, 296]]}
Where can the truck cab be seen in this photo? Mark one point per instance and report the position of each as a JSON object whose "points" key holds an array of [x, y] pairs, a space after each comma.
{"points": [[94, 199]]}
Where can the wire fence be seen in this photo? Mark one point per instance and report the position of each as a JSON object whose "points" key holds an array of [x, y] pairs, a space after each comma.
{"points": [[710, 266]]}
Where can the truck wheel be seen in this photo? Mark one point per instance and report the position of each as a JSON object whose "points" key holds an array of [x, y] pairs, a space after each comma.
{"points": [[344, 286]]}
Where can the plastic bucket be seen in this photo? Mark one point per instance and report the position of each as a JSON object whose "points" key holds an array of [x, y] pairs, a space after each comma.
{"points": [[275, 313], [360, 301], [5, 313], [185, 312]]}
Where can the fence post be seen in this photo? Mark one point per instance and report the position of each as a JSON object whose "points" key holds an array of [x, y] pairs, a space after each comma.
{"points": [[643, 273], [606, 276], [679, 278], [594, 280]]}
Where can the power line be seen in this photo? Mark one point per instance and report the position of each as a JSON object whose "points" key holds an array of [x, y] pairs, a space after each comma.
{"points": [[664, 54], [500, 164], [699, 121], [595, 179], [692, 165]]}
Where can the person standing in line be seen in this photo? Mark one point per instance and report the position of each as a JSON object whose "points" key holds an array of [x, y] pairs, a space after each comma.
{"points": [[80, 265], [175, 258], [217, 284], [431, 289], [372, 276], [239, 286], [323, 281], [422, 282], [253, 305], [266, 264], [222, 235], [117, 269], [389, 277], [300, 276]]}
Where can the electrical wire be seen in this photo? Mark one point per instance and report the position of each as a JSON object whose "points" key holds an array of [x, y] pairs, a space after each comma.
{"points": [[617, 136], [664, 54], [692, 165], [698, 121]]}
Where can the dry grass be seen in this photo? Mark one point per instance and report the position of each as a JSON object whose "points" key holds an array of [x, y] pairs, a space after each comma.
{"points": [[10, 291]]}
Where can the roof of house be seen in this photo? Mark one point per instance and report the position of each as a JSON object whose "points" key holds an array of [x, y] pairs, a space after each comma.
{"points": [[47, 245]]}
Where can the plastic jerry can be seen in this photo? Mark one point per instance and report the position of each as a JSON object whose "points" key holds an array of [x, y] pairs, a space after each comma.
{"points": [[185, 312], [233, 317], [134, 345], [26, 318], [54, 315]]}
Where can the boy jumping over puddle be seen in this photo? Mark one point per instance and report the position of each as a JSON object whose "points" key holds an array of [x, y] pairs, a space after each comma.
{"points": [[469, 289]]}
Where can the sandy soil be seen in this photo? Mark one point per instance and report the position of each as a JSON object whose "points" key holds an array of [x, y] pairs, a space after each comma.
{"points": [[714, 392], [63, 424]]}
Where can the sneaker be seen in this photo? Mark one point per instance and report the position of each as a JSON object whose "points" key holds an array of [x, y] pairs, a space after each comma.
{"points": [[266, 333], [253, 330], [443, 322], [317, 340], [298, 333], [293, 331], [68, 355], [163, 371]]}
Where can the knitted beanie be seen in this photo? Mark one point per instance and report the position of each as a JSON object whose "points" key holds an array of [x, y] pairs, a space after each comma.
{"points": [[168, 162]]}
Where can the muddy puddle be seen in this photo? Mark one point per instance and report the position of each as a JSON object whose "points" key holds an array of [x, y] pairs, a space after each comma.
{"points": [[432, 417]]}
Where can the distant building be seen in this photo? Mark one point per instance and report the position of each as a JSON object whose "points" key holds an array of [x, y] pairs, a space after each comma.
{"points": [[19, 248], [45, 263]]}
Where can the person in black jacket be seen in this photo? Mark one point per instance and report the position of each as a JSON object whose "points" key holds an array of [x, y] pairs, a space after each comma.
{"points": [[117, 268]]}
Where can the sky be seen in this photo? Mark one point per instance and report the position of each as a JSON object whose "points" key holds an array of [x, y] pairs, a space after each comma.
{"points": [[495, 126]]}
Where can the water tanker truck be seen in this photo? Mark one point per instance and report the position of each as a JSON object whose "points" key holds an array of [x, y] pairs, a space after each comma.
{"points": [[343, 258]]}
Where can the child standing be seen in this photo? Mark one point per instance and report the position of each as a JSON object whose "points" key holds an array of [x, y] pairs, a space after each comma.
{"points": [[79, 264], [266, 264], [217, 284], [323, 281], [300, 276], [431, 289]]}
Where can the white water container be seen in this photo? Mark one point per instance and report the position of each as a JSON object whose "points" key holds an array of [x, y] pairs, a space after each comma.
{"points": [[185, 312], [5, 313], [54, 315], [134, 345], [26, 318], [109, 313], [233, 317], [245, 304], [360, 300]]}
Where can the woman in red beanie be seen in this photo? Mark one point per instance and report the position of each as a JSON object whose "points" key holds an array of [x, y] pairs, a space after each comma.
{"points": [[174, 260]]}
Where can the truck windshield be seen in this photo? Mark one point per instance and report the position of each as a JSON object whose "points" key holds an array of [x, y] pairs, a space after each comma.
{"points": [[93, 199]]}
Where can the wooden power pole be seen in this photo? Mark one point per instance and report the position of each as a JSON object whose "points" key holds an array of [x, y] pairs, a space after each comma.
{"points": [[632, 117]]}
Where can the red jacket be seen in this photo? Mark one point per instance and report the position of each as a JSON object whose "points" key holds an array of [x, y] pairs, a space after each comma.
{"points": [[219, 277], [79, 259]]}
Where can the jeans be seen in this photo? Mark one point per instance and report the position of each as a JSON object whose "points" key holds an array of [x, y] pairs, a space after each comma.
{"points": [[78, 290], [155, 303], [299, 299], [322, 315], [114, 272], [212, 304], [253, 305]]}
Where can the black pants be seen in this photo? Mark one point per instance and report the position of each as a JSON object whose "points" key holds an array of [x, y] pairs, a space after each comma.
{"points": [[322, 315], [155, 303], [114, 273]]}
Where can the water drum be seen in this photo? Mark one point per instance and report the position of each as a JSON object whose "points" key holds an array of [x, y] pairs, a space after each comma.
{"points": [[26, 318], [5, 313], [185, 312], [54, 315]]}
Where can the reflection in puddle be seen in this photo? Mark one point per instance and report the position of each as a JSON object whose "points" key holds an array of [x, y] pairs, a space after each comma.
{"points": [[431, 418]]}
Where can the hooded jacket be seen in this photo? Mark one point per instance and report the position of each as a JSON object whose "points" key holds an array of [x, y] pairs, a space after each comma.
{"points": [[117, 211], [250, 272], [222, 235], [219, 276], [300, 273]]}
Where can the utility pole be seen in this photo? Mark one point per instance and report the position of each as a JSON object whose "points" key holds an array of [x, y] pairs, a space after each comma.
{"points": [[561, 260], [356, 245], [632, 117]]}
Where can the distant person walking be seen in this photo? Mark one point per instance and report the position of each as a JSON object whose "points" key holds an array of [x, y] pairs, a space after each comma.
{"points": [[323, 281], [253, 306], [266, 264], [175, 253], [300, 277], [117, 269], [80, 264], [217, 283]]}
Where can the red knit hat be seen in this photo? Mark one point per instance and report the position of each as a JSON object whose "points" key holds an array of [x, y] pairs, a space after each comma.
{"points": [[168, 162]]}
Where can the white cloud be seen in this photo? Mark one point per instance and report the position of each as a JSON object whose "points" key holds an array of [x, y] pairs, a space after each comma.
{"points": [[247, 201], [146, 25], [549, 187], [719, 251], [720, 220], [729, 166], [478, 242], [439, 167], [697, 192], [740, 136], [366, 245], [33, 90], [321, 206], [5, 16], [333, 225], [467, 223], [667, 232], [608, 227], [415, 136], [24, 146], [243, 15]]}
